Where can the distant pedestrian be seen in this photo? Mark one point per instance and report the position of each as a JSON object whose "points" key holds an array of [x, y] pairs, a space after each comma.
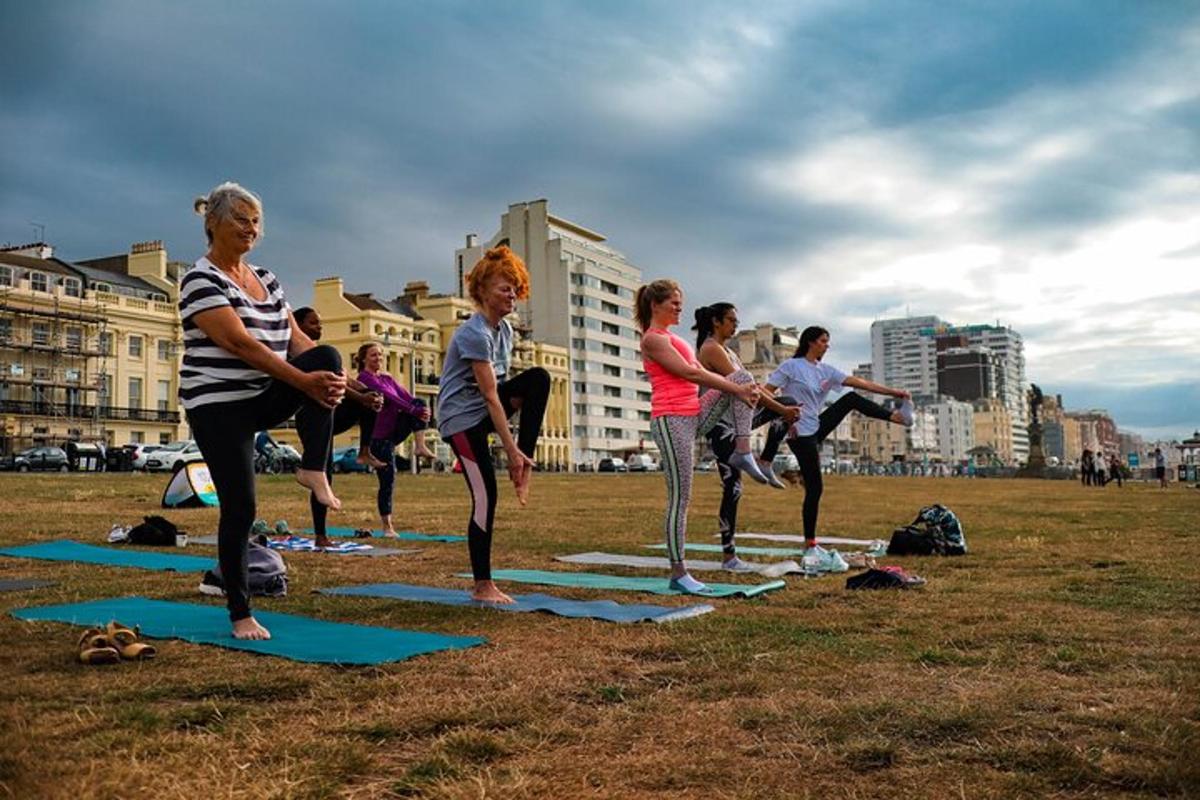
{"points": [[1087, 468], [1160, 467], [1114, 470], [1101, 468]]}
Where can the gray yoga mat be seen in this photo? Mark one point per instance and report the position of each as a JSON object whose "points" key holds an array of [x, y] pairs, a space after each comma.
{"points": [[376, 551], [21, 584], [620, 583], [775, 570], [607, 610], [778, 552], [791, 537]]}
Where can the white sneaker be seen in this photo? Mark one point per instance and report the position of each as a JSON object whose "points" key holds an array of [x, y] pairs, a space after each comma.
{"points": [[735, 564]]}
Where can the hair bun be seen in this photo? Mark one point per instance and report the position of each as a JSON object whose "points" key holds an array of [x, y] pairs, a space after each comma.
{"points": [[200, 206]]}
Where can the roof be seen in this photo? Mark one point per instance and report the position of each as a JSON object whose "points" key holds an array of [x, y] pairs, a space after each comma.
{"points": [[94, 274], [366, 302], [42, 264]]}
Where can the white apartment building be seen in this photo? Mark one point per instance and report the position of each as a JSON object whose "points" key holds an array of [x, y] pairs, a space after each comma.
{"points": [[900, 355], [581, 298], [954, 422]]}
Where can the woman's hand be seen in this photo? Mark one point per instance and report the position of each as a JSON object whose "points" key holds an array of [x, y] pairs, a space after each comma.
{"points": [[375, 401], [424, 415], [901, 393], [790, 415], [749, 393], [518, 463], [327, 388]]}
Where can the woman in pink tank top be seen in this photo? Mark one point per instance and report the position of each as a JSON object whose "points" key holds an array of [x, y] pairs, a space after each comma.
{"points": [[678, 414]]}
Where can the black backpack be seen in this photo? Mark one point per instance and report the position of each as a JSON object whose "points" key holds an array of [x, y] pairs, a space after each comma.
{"points": [[935, 531], [154, 530]]}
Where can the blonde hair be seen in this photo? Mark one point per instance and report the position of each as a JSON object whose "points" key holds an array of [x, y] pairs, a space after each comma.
{"points": [[498, 262], [219, 204], [658, 291]]}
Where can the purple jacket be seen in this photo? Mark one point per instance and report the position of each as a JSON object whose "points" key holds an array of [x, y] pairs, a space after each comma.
{"points": [[396, 401]]}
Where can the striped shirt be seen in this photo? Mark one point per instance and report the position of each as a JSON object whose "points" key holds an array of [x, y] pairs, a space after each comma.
{"points": [[211, 374]]}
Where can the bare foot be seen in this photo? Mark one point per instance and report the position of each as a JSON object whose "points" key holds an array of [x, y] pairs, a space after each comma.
{"points": [[424, 452], [249, 629], [316, 482], [486, 592], [390, 533], [370, 460]]}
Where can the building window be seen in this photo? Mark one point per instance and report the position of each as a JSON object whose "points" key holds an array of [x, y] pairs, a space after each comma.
{"points": [[6, 276], [39, 282], [72, 287], [608, 327], [41, 333], [611, 350], [614, 433], [609, 308], [135, 393], [643, 396], [611, 371], [137, 437], [611, 288], [74, 338], [5, 329], [613, 412], [644, 416], [355, 327], [106, 343], [135, 347], [164, 349], [104, 392], [164, 395], [612, 391], [164, 438], [581, 409]]}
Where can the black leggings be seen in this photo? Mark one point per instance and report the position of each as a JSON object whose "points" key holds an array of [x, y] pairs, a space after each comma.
{"points": [[345, 416], [723, 443], [385, 451], [225, 434], [807, 450], [532, 388]]}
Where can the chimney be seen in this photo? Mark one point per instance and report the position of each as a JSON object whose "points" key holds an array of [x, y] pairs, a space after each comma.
{"points": [[416, 290], [472, 240]]}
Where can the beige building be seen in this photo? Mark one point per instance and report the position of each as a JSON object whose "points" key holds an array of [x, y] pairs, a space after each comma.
{"points": [[993, 428], [89, 350], [879, 441], [581, 298], [414, 330]]}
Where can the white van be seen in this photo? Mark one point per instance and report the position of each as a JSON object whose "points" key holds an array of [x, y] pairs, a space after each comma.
{"points": [[640, 462]]}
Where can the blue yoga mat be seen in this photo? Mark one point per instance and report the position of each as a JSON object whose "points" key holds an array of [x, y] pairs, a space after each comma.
{"points": [[409, 535], [593, 580], [68, 550], [292, 636], [596, 609]]}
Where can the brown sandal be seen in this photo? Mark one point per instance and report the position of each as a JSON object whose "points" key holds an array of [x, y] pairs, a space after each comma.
{"points": [[94, 648], [127, 644]]}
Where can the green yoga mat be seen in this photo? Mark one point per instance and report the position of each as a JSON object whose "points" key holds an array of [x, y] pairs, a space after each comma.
{"points": [[292, 636], [592, 580], [68, 550], [752, 551], [346, 533]]}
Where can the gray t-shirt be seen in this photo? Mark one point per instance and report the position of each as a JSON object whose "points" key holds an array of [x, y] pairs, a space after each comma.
{"points": [[460, 405], [809, 383]]}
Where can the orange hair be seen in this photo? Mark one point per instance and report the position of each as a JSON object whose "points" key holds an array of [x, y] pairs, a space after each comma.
{"points": [[498, 262]]}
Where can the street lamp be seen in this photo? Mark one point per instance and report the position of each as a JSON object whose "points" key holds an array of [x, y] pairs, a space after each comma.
{"points": [[412, 390]]}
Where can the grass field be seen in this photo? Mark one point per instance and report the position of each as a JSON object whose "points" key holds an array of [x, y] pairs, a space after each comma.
{"points": [[1061, 658]]}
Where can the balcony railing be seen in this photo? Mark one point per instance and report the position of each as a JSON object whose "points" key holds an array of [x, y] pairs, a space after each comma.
{"points": [[47, 409]]}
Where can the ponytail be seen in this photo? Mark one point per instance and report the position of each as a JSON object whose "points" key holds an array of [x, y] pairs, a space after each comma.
{"points": [[706, 316], [654, 292]]}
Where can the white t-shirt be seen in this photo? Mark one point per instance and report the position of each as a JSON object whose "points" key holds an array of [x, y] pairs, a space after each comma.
{"points": [[809, 383]]}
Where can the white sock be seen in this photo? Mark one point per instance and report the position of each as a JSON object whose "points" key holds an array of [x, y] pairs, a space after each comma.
{"points": [[689, 584]]}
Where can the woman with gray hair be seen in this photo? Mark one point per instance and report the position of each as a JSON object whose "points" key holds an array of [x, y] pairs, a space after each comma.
{"points": [[247, 367]]}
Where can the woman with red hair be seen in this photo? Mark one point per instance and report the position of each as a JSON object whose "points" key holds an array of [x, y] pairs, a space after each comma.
{"points": [[477, 396]]}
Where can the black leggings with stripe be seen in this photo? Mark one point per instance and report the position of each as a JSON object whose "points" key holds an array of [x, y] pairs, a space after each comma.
{"points": [[532, 389]]}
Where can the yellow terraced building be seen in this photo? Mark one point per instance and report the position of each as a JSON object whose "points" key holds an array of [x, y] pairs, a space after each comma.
{"points": [[414, 330], [89, 350]]}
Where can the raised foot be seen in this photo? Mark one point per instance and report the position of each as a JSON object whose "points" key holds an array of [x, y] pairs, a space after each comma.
{"points": [[249, 629], [487, 592], [315, 481], [370, 461], [425, 452], [523, 485]]}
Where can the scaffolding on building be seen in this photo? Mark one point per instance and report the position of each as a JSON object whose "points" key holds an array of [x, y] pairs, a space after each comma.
{"points": [[54, 381]]}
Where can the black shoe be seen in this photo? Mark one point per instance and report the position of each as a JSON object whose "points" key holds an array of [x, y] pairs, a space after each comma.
{"points": [[212, 585]]}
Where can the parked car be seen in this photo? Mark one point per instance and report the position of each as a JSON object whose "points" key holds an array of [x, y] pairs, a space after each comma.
{"points": [[277, 458], [784, 463], [140, 452], [706, 464], [641, 462], [37, 458], [612, 465], [171, 457], [345, 459]]}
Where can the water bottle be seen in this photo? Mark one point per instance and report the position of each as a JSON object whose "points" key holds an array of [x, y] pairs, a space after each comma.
{"points": [[811, 565]]}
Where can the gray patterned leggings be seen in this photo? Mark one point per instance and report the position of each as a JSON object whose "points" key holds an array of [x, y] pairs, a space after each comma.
{"points": [[676, 439]]}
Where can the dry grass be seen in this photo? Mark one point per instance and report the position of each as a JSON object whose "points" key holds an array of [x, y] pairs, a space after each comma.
{"points": [[1059, 659]]}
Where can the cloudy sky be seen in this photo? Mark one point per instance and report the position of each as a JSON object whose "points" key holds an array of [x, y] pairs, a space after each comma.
{"points": [[1032, 163]]}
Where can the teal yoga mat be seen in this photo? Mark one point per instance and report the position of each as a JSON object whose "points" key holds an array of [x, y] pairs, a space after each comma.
{"points": [[407, 535], [592, 580], [606, 610], [292, 636], [68, 550]]}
